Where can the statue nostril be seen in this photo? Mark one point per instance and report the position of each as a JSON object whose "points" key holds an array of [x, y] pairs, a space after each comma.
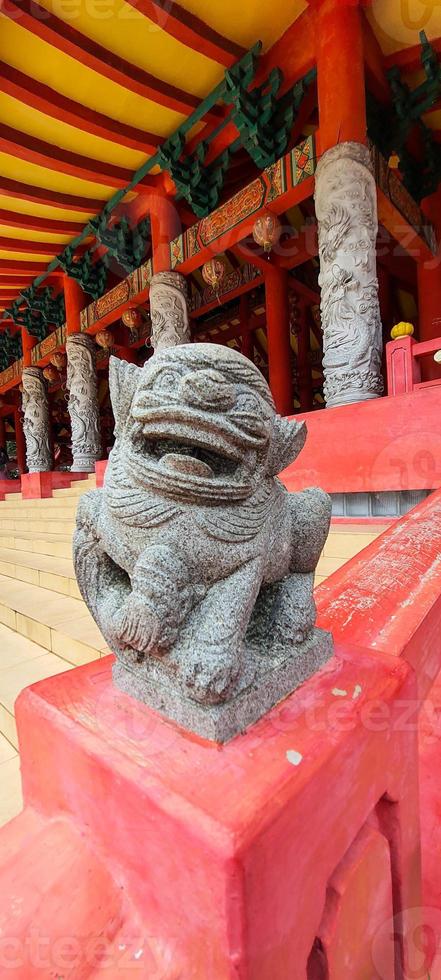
{"points": [[208, 390]]}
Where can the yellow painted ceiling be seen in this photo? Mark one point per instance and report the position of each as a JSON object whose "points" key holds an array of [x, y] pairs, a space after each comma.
{"points": [[149, 45], [398, 22]]}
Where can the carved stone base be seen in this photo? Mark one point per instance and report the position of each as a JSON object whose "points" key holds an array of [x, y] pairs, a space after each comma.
{"points": [[276, 677]]}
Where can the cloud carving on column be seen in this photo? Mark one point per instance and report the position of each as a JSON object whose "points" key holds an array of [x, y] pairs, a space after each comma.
{"points": [[346, 209], [36, 421]]}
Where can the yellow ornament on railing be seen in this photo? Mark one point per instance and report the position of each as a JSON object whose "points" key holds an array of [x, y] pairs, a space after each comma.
{"points": [[402, 330]]}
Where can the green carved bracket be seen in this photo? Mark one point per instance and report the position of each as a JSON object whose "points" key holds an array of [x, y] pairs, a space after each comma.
{"points": [[264, 119], [92, 276], [126, 245], [50, 307], [390, 128], [10, 348]]}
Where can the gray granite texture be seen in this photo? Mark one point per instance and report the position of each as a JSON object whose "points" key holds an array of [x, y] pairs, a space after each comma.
{"points": [[195, 561]]}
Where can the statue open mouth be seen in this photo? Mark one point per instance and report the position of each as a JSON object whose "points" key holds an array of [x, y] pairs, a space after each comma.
{"points": [[184, 456], [193, 463]]}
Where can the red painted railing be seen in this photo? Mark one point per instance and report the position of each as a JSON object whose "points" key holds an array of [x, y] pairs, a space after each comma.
{"points": [[403, 358]]}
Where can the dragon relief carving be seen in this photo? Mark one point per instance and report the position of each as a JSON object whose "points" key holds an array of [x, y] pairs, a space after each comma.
{"points": [[194, 560], [346, 208], [83, 402], [168, 310], [36, 421]]}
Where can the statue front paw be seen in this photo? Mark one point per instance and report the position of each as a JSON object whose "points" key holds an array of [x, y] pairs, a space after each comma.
{"points": [[211, 679], [136, 626]]}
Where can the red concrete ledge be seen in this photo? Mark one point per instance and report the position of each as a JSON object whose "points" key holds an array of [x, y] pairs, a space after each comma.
{"points": [[388, 598], [100, 469], [9, 486], [391, 443], [35, 486]]}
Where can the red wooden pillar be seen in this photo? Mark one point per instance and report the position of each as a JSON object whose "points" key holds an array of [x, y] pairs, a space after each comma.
{"points": [[2, 433], [304, 363], [246, 335], [340, 72], [75, 300], [429, 289], [27, 343], [279, 344], [20, 441], [165, 226]]}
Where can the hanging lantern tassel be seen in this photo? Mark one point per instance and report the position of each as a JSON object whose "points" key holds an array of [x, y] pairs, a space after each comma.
{"points": [[59, 360], [212, 273], [104, 338], [267, 231]]}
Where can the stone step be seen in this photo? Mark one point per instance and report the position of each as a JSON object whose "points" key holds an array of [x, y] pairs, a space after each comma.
{"points": [[327, 566], [53, 573], [35, 526], [75, 490], [58, 545], [346, 544], [49, 504], [43, 514], [22, 662], [58, 623]]}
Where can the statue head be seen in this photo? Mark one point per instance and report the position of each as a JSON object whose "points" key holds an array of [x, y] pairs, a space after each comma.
{"points": [[198, 423]]}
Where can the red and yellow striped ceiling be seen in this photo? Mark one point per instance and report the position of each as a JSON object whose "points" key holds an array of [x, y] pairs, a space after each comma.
{"points": [[89, 87]]}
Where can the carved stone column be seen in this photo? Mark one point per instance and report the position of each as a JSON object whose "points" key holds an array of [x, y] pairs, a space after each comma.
{"points": [[36, 421], [168, 310], [346, 208], [83, 402]]}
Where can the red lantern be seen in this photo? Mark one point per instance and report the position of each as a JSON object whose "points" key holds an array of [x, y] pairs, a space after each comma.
{"points": [[213, 272], [132, 318], [50, 374], [104, 338], [59, 360], [267, 231]]}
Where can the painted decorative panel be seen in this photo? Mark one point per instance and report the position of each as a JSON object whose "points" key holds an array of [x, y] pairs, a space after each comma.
{"points": [[124, 291], [394, 189], [280, 177]]}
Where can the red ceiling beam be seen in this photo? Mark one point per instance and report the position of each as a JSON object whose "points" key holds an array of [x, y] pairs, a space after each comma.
{"points": [[190, 30], [63, 36], [16, 219], [38, 96], [21, 266], [52, 199], [43, 154], [33, 248]]}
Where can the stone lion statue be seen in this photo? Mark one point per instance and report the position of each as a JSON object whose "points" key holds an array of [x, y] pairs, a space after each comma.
{"points": [[195, 561]]}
